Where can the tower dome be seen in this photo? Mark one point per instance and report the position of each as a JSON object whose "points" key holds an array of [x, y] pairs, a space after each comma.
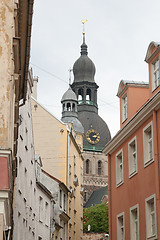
{"points": [[84, 69], [69, 110], [96, 130]]}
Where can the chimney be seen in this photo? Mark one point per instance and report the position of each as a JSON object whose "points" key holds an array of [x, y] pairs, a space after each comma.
{"points": [[34, 89]]}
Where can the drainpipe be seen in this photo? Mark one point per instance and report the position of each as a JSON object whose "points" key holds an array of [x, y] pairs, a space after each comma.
{"points": [[69, 132], [109, 197], [157, 174]]}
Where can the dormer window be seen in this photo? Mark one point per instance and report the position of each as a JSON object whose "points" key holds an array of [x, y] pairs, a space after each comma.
{"points": [[155, 74], [124, 108]]}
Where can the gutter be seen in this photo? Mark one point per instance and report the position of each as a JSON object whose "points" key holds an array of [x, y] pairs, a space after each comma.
{"points": [[28, 41], [69, 132]]}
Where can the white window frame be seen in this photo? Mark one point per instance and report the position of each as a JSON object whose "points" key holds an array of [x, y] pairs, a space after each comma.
{"points": [[119, 168], [132, 157], [148, 146], [120, 228], [124, 107], [155, 74], [151, 216], [134, 223]]}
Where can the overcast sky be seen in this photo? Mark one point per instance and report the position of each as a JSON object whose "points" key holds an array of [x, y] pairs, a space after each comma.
{"points": [[118, 33]]}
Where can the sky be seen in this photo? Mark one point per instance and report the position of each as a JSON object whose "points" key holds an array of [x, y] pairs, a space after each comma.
{"points": [[118, 34]]}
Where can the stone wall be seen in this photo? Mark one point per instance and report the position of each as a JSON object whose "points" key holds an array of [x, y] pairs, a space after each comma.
{"points": [[93, 236]]}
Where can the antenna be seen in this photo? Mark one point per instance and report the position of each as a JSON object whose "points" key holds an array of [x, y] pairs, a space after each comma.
{"points": [[70, 70]]}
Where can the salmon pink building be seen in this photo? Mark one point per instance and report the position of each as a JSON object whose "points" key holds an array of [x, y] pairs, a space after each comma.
{"points": [[134, 158]]}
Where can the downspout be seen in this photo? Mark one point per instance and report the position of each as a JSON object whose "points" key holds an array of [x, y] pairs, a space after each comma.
{"points": [[68, 157], [69, 132], [109, 197], [157, 174]]}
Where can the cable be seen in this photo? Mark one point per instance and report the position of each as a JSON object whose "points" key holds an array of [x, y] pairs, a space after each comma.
{"points": [[53, 75]]}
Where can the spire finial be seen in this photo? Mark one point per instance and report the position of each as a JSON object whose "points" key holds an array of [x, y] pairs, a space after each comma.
{"points": [[83, 22], [84, 46]]}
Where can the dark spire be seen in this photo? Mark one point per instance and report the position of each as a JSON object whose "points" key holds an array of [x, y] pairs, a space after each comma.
{"points": [[84, 46]]}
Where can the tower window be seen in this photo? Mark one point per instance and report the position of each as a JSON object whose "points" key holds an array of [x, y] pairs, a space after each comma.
{"points": [[88, 94], [80, 94], [87, 166], [68, 107], [99, 167], [73, 107], [64, 107]]}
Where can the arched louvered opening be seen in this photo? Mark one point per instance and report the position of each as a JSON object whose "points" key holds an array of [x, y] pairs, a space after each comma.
{"points": [[68, 107], [88, 94], [99, 167], [73, 107], [80, 94], [63, 107]]}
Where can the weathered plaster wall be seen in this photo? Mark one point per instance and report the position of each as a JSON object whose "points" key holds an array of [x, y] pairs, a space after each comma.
{"points": [[6, 72]]}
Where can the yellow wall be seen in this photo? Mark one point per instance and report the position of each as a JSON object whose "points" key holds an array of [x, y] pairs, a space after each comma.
{"points": [[61, 157]]}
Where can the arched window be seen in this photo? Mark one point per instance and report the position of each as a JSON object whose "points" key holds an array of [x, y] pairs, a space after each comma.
{"points": [[88, 94], [73, 107], [68, 107], [64, 107], [99, 167], [80, 94], [87, 166]]}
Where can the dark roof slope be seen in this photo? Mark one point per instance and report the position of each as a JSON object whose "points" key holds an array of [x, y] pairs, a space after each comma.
{"points": [[96, 197]]}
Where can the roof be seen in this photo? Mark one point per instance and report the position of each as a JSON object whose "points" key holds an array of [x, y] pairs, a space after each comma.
{"points": [[150, 53], [69, 95], [47, 110], [130, 83], [56, 179], [96, 197]]}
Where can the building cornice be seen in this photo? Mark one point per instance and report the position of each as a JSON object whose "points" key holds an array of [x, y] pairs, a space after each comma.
{"points": [[134, 123]]}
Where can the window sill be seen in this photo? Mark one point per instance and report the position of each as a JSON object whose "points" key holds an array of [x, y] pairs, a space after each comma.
{"points": [[148, 162], [132, 174], [119, 184], [124, 120], [152, 237], [155, 88]]}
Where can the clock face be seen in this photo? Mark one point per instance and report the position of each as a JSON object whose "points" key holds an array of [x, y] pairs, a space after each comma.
{"points": [[92, 136]]}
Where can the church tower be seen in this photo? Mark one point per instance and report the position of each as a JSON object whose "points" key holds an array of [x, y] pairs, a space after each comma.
{"points": [[96, 131]]}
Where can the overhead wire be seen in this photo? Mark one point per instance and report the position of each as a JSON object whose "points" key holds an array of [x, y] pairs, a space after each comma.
{"points": [[55, 76]]}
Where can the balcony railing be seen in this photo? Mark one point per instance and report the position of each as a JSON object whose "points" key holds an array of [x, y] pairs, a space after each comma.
{"points": [[92, 148], [87, 102]]}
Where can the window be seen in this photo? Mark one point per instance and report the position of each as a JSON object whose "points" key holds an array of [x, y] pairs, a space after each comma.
{"points": [[85, 196], [120, 227], [151, 226], [132, 156], [60, 198], [155, 74], [99, 167], [134, 223], [87, 166], [64, 202], [41, 209], [46, 214], [124, 108], [119, 168], [148, 144]]}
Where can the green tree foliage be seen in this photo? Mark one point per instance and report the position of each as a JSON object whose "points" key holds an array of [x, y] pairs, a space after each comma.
{"points": [[97, 218]]}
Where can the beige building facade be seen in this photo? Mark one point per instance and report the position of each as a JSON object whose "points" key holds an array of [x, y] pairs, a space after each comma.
{"points": [[15, 31], [61, 157]]}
